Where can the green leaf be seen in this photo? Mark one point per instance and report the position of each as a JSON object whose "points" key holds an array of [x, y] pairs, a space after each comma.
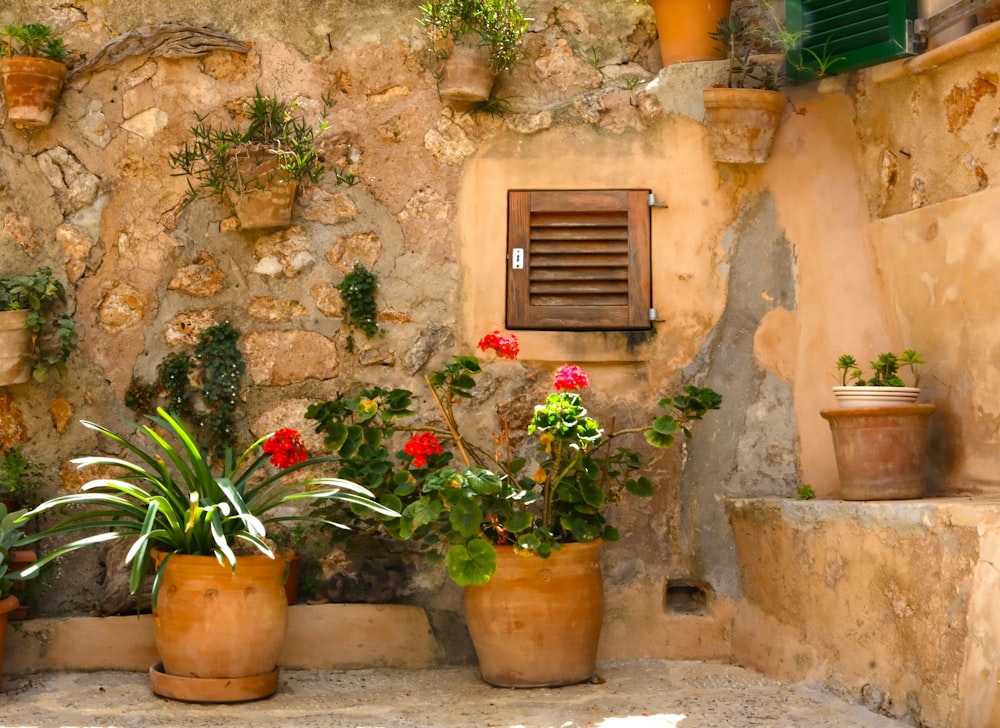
{"points": [[466, 517], [471, 564], [657, 439], [642, 487]]}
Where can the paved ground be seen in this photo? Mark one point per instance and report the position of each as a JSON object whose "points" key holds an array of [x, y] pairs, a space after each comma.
{"points": [[630, 694]]}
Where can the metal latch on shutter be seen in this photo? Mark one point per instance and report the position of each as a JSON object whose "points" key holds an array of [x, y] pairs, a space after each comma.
{"points": [[517, 259]]}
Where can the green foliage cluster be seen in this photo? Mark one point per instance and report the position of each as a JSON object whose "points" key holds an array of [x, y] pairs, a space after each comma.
{"points": [[458, 499], [32, 39], [499, 24], [11, 537], [20, 478], [357, 291], [885, 370], [210, 159], [218, 364], [54, 332]]}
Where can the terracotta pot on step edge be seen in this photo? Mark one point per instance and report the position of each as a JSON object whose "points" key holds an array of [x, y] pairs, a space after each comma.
{"points": [[7, 605], [684, 26]]}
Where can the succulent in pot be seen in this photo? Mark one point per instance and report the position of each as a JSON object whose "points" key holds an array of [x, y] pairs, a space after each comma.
{"points": [[32, 72], [258, 166], [885, 386]]}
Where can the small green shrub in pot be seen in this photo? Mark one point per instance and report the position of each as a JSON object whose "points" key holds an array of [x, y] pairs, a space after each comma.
{"points": [[33, 40], [496, 24], [32, 71]]}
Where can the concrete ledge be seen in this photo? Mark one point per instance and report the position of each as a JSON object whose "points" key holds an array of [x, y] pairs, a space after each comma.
{"points": [[892, 601], [323, 636]]}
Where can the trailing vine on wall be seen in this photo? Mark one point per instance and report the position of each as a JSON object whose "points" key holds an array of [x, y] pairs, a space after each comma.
{"points": [[357, 290], [218, 365]]}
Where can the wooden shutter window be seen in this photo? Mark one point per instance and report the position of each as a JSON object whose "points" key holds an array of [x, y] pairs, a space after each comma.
{"points": [[578, 260], [849, 34]]}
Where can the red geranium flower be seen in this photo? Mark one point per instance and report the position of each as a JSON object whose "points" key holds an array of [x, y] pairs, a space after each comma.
{"points": [[286, 448], [570, 376], [505, 346], [420, 445]]}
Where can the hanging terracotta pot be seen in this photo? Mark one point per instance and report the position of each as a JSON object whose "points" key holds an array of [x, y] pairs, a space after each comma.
{"points": [[537, 622], [684, 26], [265, 193], [219, 631], [467, 76], [742, 122], [15, 347], [31, 88], [7, 605], [880, 451]]}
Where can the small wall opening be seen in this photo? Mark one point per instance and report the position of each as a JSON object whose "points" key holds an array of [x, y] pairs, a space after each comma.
{"points": [[686, 596]]}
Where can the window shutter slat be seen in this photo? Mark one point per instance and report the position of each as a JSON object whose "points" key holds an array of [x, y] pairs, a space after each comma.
{"points": [[586, 259], [848, 34]]}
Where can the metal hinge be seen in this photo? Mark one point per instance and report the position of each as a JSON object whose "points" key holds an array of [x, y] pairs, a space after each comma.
{"points": [[653, 201]]}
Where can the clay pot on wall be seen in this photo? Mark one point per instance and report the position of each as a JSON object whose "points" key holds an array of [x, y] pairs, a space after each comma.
{"points": [[466, 76], [15, 346], [880, 451], [684, 26], [31, 88], [265, 193], [537, 622], [219, 631], [7, 605], [742, 123]]}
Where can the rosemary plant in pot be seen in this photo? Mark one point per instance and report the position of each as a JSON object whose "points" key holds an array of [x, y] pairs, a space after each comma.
{"points": [[258, 166], [521, 531], [879, 431], [32, 72], [219, 605], [484, 38]]}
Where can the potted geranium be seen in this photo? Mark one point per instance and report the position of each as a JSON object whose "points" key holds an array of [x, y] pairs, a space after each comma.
{"points": [[36, 335], [519, 526], [258, 165], [218, 598], [478, 38], [879, 431], [32, 72]]}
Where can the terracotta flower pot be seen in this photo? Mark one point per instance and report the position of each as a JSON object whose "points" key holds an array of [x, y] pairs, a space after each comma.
{"points": [[219, 631], [7, 605], [267, 191], [31, 88], [15, 345], [683, 27], [880, 451], [742, 122], [538, 621], [467, 76]]}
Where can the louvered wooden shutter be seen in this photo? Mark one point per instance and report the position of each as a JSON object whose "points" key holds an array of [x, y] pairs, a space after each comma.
{"points": [[578, 259], [849, 34]]}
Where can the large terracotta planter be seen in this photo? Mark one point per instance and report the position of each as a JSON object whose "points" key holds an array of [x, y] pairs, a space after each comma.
{"points": [[537, 622], [15, 345], [880, 451], [7, 605], [742, 122], [31, 88], [684, 26], [266, 192], [466, 76], [219, 631]]}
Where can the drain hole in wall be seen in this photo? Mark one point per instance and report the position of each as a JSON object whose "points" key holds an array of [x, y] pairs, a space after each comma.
{"points": [[686, 596]]}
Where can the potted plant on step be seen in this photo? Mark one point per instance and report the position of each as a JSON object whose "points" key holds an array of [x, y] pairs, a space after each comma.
{"points": [[257, 166], [202, 526], [519, 522], [10, 538], [36, 336], [32, 72], [879, 432], [478, 39], [743, 114]]}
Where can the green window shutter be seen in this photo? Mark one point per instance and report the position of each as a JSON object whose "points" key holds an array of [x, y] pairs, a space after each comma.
{"points": [[842, 35], [578, 260]]}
